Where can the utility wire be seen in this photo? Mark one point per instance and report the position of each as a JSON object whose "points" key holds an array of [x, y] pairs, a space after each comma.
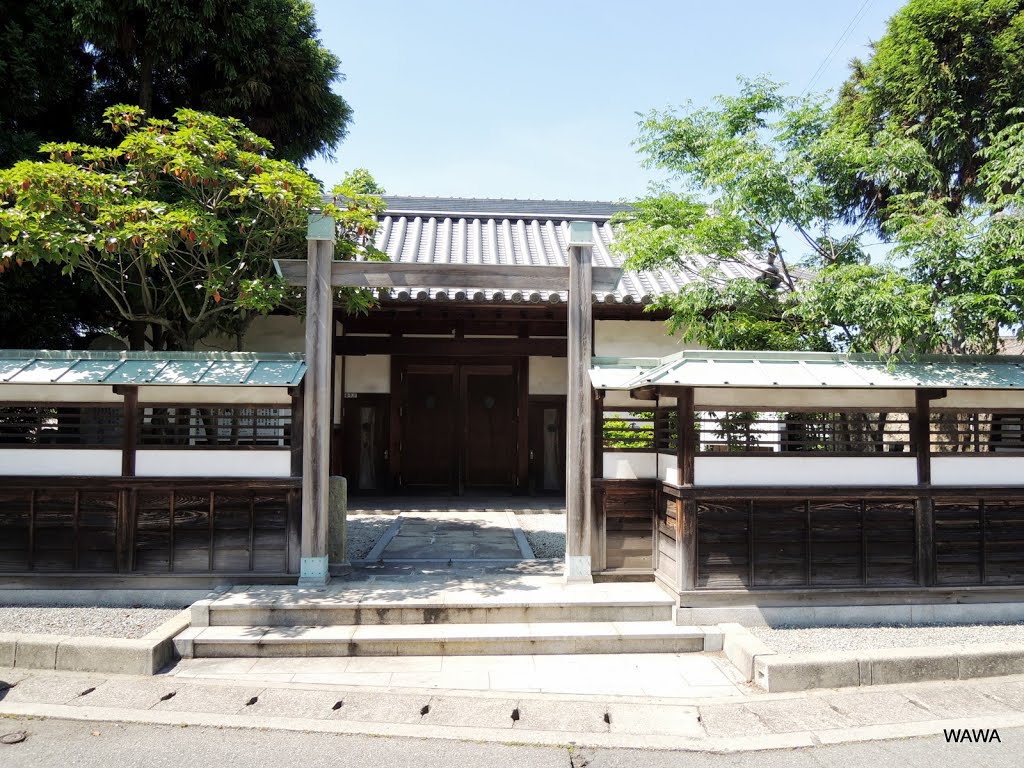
{"points": [[843, 37]]}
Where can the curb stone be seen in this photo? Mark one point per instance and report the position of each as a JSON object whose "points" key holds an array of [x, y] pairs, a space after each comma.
{"points": [[144, 656], [783, 672]]}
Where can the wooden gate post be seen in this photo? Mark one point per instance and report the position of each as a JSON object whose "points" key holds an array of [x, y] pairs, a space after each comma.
{"points": [[579, 421], [316, 428]]}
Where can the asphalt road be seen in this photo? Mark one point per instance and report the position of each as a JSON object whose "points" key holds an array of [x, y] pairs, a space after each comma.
{"points": [[52, 743]]}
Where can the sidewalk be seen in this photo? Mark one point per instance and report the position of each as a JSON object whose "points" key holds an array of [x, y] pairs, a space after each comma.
{"points": [[740, 722]]}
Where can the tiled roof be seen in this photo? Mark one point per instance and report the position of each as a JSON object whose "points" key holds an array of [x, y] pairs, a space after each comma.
{"points": [[232, 369], [429, 230]]}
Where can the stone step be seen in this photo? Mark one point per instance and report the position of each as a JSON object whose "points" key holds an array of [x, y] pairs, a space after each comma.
{"points": [[473, 639], [310, 613]]}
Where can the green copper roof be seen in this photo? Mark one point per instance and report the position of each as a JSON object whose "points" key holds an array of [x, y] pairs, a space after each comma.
{"points": [[224, 369], [796, 370]]}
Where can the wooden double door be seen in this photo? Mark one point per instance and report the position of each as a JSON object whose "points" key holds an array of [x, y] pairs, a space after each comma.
{"points": [[461, 427]]}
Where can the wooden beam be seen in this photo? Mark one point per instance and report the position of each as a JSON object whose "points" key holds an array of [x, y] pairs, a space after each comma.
{"points": [[579, 410], [924, 508], [499, 277], [686, 509], [316, 433], [403, 345], [130, 436]]}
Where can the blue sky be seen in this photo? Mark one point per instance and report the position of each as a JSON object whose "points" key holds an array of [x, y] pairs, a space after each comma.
{"points": [[535, 99]]}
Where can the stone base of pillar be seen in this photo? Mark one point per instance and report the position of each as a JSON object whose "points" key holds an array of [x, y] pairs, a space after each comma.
{"points": [[313, 572], [578, 569]]}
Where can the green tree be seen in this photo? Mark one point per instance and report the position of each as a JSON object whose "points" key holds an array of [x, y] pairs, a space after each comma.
{"points": [[257, 60], [45, 78], [760, 171], [178, 224], [945, 75], [757, 218]]}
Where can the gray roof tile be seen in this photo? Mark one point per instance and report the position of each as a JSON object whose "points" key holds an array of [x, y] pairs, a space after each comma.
{"points": [[439, 230]]}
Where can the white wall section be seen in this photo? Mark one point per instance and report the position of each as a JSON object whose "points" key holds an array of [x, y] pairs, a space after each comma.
{"points": [[805, 470], [548, 376], [200, 463], [368, 374], [623, 465], [61, 461], [977, 470], [635, 338]]}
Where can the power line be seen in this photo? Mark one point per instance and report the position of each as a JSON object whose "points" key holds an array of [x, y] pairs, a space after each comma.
{"points": [[843, 37]]}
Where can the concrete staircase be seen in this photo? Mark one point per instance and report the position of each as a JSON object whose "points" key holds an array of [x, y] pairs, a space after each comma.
{"points": [[541, 617]]}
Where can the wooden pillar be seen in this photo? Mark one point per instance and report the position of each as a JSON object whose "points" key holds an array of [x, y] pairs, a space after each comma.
{"points": [[317, 404], [579, 408], [686, 509], [130, 436], [924, 514]]}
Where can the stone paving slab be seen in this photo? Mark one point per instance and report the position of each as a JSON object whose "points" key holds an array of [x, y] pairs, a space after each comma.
{"points": [[657, 719], [46, 689], [960, 701], [722, 720], [809, 714], [285, 702], [209, 698], [128, 693], [382, 707], [879, 707], [567, 716], [472, 713]]}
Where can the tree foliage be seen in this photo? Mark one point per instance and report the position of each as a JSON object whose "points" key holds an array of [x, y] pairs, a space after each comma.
{"points": [[760, 216], [945, 75], [257, 60], [177, 224]]}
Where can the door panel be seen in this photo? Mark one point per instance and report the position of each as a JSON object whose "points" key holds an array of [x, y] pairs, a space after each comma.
{"points": [[428, 429], [364, 437], [547, 447], [490, 428]]}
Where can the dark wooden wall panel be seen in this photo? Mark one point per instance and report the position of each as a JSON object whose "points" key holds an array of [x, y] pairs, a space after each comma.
{"points": [[780, 543], [891, 540], [1004, 542], [958, 544], [836, 543], [146, 526], [723, 544], [627, 515]]}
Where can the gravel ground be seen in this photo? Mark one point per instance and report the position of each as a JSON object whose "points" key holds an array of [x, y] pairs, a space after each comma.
{"points": [[805, 639], [364, 530], [129, 623], [546, 534]]}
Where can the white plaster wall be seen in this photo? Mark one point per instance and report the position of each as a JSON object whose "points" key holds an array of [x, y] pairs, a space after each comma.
{"points": [[270, 333], [977, 470], [805, 470], [58, 393], [200, 463], [214, 395], [620, 397], [548, 376], [667, 466], [630, 466], [60, 461], [368, 374], [635, 338], [740, 398], [981, 399]]}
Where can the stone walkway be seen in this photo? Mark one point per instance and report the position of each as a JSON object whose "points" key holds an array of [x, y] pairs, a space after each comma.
{"points": [[665, 675], [601, 719], [457, 529]]}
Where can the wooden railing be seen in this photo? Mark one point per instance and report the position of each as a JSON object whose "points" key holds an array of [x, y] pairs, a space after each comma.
{"points": [[152, 526]]}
